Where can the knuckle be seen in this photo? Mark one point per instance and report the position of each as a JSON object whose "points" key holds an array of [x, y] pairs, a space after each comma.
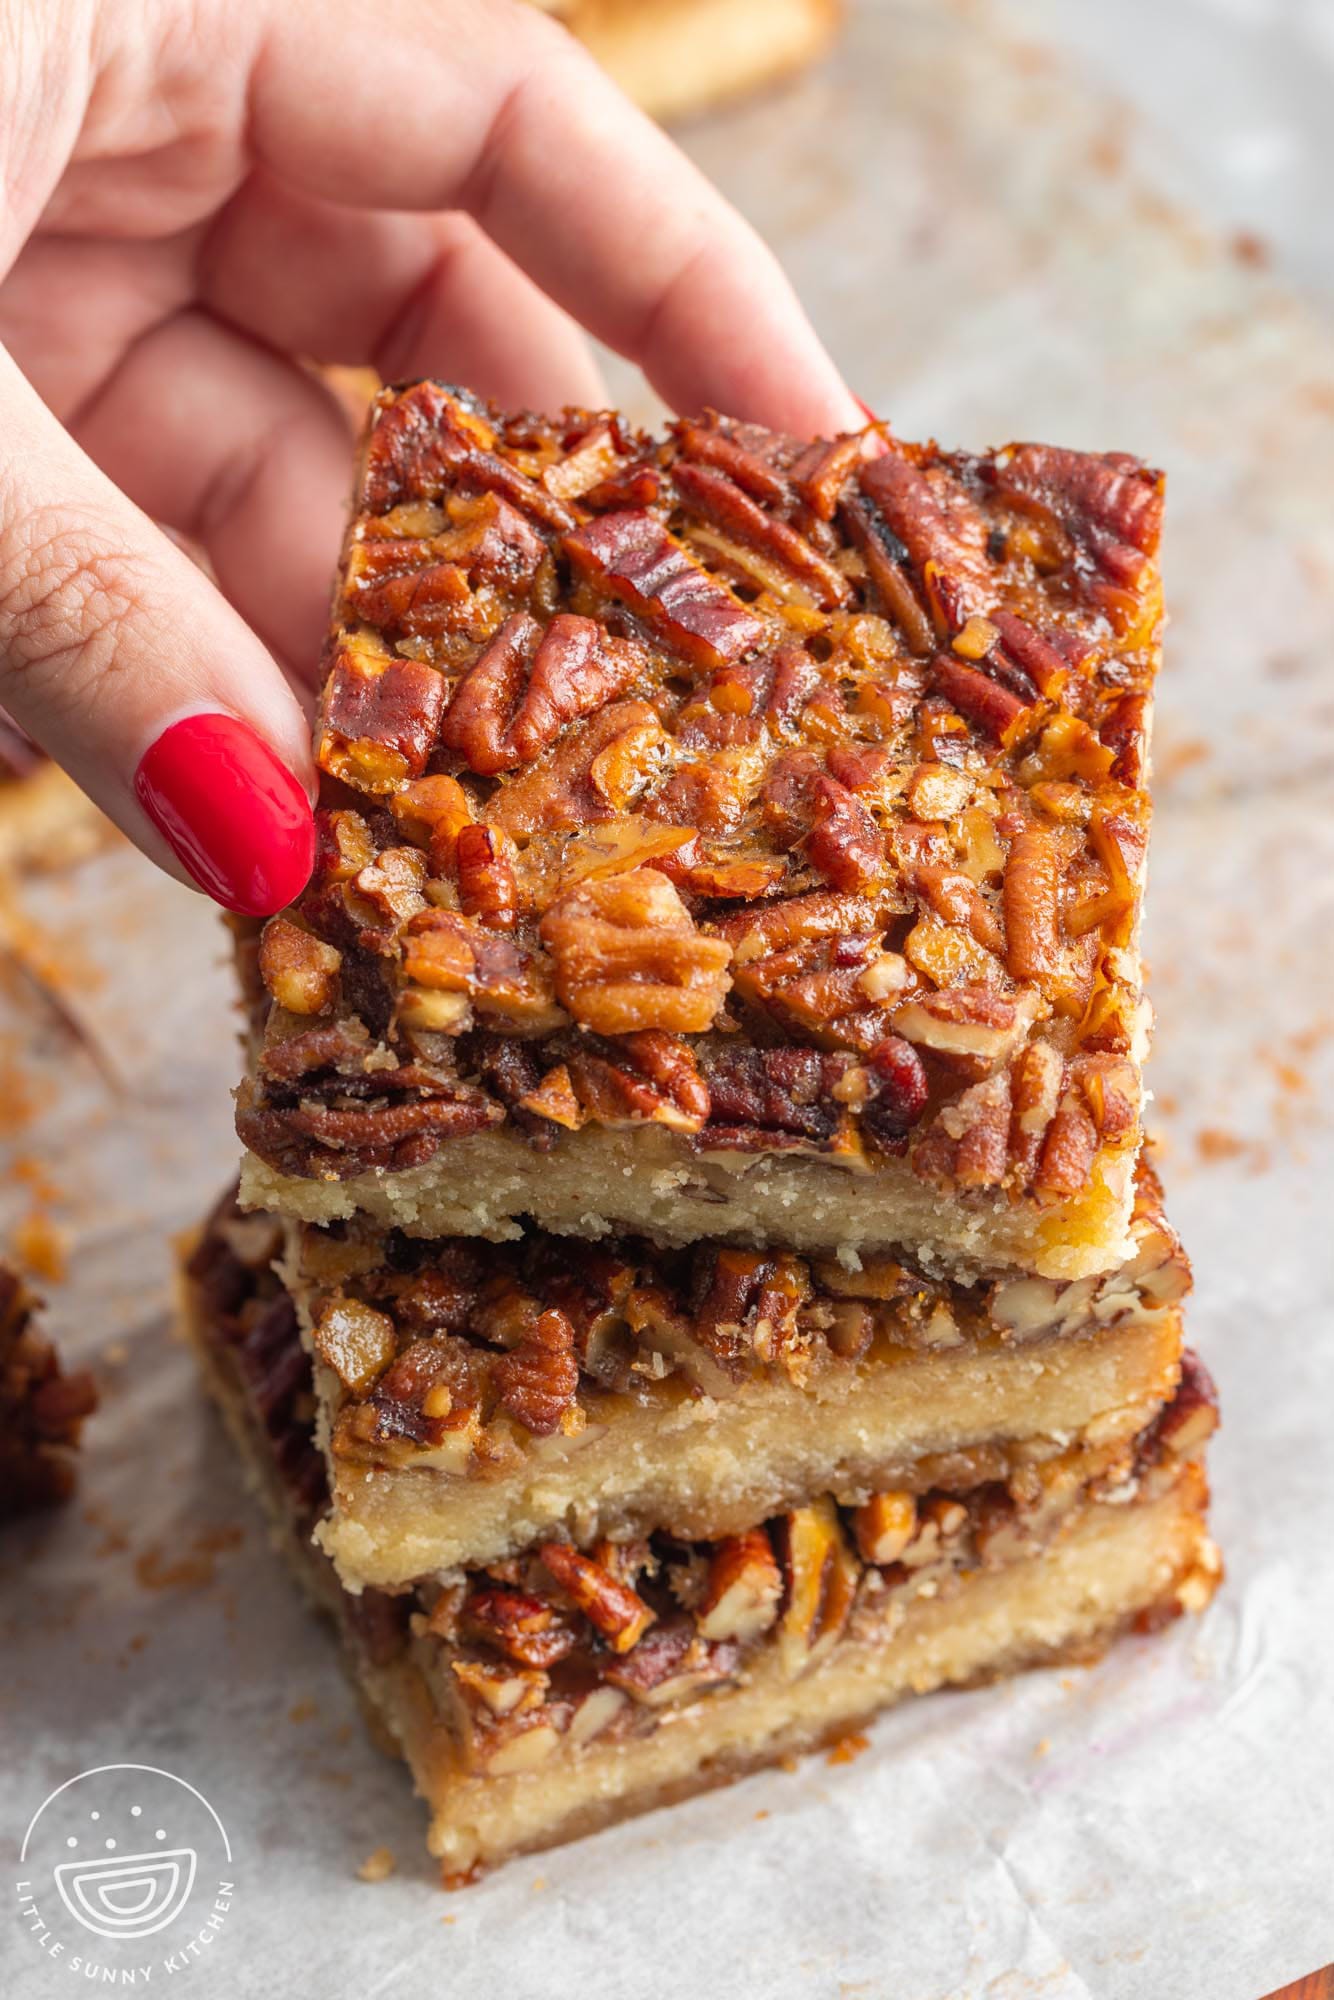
{"points": [[69, 601]]}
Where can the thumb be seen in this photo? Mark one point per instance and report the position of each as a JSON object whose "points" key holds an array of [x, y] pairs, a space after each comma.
{"points": [[119, 658]]}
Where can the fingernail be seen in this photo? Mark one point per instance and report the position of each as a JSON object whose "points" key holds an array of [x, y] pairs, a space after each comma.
{"points": [[866, 410], [230, 810]]}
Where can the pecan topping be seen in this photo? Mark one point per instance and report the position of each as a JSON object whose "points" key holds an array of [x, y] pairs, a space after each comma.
{"points": [[897, 1095], [357, 1342], [527, 684], [737, 673], [633, 556], [627, 956], [537, 1380], [523, 1627]]}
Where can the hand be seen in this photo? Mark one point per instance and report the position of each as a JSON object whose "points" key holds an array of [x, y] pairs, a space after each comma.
{"points": [[200, 195]]}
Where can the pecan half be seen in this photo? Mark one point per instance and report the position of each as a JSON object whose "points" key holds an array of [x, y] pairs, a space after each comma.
{"points": [[632, 555], [528, 684], [768, 1097], [538, 1380], [627, 956], [718, 498], [378, 717]]}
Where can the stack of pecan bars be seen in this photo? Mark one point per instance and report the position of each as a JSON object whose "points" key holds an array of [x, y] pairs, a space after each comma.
{"points": [[696, 1277]]}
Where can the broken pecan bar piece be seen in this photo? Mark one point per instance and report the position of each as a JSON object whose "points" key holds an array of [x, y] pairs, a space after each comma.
{"points": [[724, 836], [677, 56], [475, 1398], [585, 1678], [42, 1409], [46, 822]]}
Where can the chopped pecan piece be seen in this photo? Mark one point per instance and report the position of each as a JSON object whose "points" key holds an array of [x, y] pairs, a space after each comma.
{"points": [[432, 812], [528, 684], [378, 717], [450, 955], [632, 555], [538, 1379], [673, 1663], [768, 1097], [484, 864], [974, 1021], [425, 441], [523, 1627], [943, 533], [357, 1342], [627, 956], [994, 707], [593, 773], [897, 1093], [619, 1613], [709, 444], [742, 1589], [299, 971], [884, 1526], [821, 1575], [1111, 504], [647, 1076]]}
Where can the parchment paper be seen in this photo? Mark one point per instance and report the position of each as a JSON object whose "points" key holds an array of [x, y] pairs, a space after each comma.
{"points": [[982, 234]]}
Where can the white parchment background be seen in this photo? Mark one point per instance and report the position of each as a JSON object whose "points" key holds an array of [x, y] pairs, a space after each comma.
{"points": [[995, 247]]}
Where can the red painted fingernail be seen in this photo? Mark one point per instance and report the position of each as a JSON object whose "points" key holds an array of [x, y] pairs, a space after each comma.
{"points": [[866, 410], [232, 812]]}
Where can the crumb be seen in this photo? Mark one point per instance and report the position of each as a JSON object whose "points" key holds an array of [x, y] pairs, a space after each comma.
{"points": [[303, 1710], [41, 1247], [449, 1920], [539, 1881], [152, 1572], [1042, 1746], [379, 1866], [848, 1747], [789, 1763], [1250, 249], [1213, 1143], [115, 1354], [763, 1813]]}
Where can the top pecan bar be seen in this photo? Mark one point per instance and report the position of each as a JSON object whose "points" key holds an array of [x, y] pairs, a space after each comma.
{"points": [[724, 835]]}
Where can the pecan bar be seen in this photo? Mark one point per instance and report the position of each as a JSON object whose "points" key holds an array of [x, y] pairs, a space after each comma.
{"points": [[42, 1409], [475, 1398], [550, 1693], [725, 837]]}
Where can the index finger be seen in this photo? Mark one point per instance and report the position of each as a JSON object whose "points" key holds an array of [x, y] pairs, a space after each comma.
{"points": [[488, 106]]}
